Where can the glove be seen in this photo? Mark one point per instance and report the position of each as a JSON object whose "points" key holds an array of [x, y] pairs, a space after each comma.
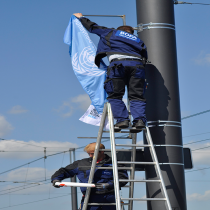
{"points": [[54, 181], [102, 185]]}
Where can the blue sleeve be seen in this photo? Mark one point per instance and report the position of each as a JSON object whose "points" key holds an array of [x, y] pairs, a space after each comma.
{"points": [[67, 172], [93, 27]]}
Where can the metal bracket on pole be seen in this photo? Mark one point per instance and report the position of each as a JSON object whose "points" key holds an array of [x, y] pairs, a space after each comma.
{"points": [[140, 27], [122, 16], [164, 123]]}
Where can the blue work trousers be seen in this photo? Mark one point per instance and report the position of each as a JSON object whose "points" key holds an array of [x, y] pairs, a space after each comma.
{"points": [[101, 198], [131, 74]]}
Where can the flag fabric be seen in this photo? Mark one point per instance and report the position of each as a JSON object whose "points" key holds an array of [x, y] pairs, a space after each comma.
{"points": [[82, 52]]}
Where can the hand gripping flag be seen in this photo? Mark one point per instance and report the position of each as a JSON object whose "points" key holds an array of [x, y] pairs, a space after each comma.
{"points": [[82, 52]]}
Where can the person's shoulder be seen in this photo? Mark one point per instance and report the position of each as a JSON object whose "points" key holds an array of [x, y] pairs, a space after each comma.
{"points": [[108, 158], [85, 160]]}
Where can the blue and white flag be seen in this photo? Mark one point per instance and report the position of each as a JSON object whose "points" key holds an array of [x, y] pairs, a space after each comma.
{"points": [[82, 52]]}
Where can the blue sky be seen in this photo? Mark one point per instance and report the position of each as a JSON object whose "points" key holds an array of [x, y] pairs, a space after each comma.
{"points": [[41, 99]]}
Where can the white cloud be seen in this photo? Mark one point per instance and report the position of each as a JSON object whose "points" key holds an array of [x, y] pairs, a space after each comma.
{"points": [[29, 175], [5, 127], [17, 110], [82, 100], [79, 102], [199, 197], [22, 174], [15, 145], [202, 58]]}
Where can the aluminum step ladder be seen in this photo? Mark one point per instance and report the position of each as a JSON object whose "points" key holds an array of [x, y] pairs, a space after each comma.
{"points": [[120, 201]]}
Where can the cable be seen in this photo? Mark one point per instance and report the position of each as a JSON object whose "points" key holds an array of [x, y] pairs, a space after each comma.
{"points": [[195, 135], [195, 114], [23, 185], [183, 2], [201, 148], [20, 142], [46, 157], [197, 141], [21, 165], [32, 162], [197, 170], [36, 201], [23, 188]]}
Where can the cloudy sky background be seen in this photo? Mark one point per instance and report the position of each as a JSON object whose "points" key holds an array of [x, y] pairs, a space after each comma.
{"points": [[41, 99]]}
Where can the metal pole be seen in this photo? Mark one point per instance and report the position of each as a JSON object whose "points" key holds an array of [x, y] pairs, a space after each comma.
{"points": [[95, 157], [73, 179], [114, 158], [132, 173], [157, 26], [122, 16]]}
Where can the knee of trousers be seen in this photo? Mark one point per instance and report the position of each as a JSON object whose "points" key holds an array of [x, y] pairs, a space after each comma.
{"points": [[136, 89], [115, 88]]}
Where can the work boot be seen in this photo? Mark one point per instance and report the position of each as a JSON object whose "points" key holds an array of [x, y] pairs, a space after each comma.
{"points": [[139, 124], [118, 126]]}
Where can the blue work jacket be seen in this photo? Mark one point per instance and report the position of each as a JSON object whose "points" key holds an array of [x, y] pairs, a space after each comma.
{"points": [[81, 169], [114, 41]]}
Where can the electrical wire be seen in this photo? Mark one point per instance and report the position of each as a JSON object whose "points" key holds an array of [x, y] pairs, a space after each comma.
{"points": [[21, 165], [197, 170], [49, 156], [20, 188], [200, 148], [197, 141], [38, 183], [196, 113], [183, 2], [195, 135], [35, 201], [19, 142]]}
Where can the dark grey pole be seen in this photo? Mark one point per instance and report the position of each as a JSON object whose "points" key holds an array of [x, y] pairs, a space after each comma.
{"points": [[163, 102], [73, 189]]}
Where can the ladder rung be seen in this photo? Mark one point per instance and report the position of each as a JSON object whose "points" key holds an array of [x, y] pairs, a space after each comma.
{"points": [[144, 199], [117, 150], [140, 163], [143, 180], [102, 204], [106, 204], [117, 132], [103, 137], [133, 145], [119, 168]]}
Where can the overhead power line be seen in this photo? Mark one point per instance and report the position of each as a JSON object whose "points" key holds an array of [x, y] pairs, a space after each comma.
{"points": [[197, 170], [20, 142], [183, 2], [197, 141], [32, 162], [195, 135], [36, 201], [195, 114], [200, 148], [46, 157]]}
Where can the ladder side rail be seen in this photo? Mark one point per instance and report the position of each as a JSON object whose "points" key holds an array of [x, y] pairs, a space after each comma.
{"points": [[157, 168], [114, 158], [93, 166], [132, 172]]}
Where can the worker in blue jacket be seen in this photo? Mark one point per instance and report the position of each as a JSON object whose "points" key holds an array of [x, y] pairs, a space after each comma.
{"points": [[127, 55], [103, 178]]}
